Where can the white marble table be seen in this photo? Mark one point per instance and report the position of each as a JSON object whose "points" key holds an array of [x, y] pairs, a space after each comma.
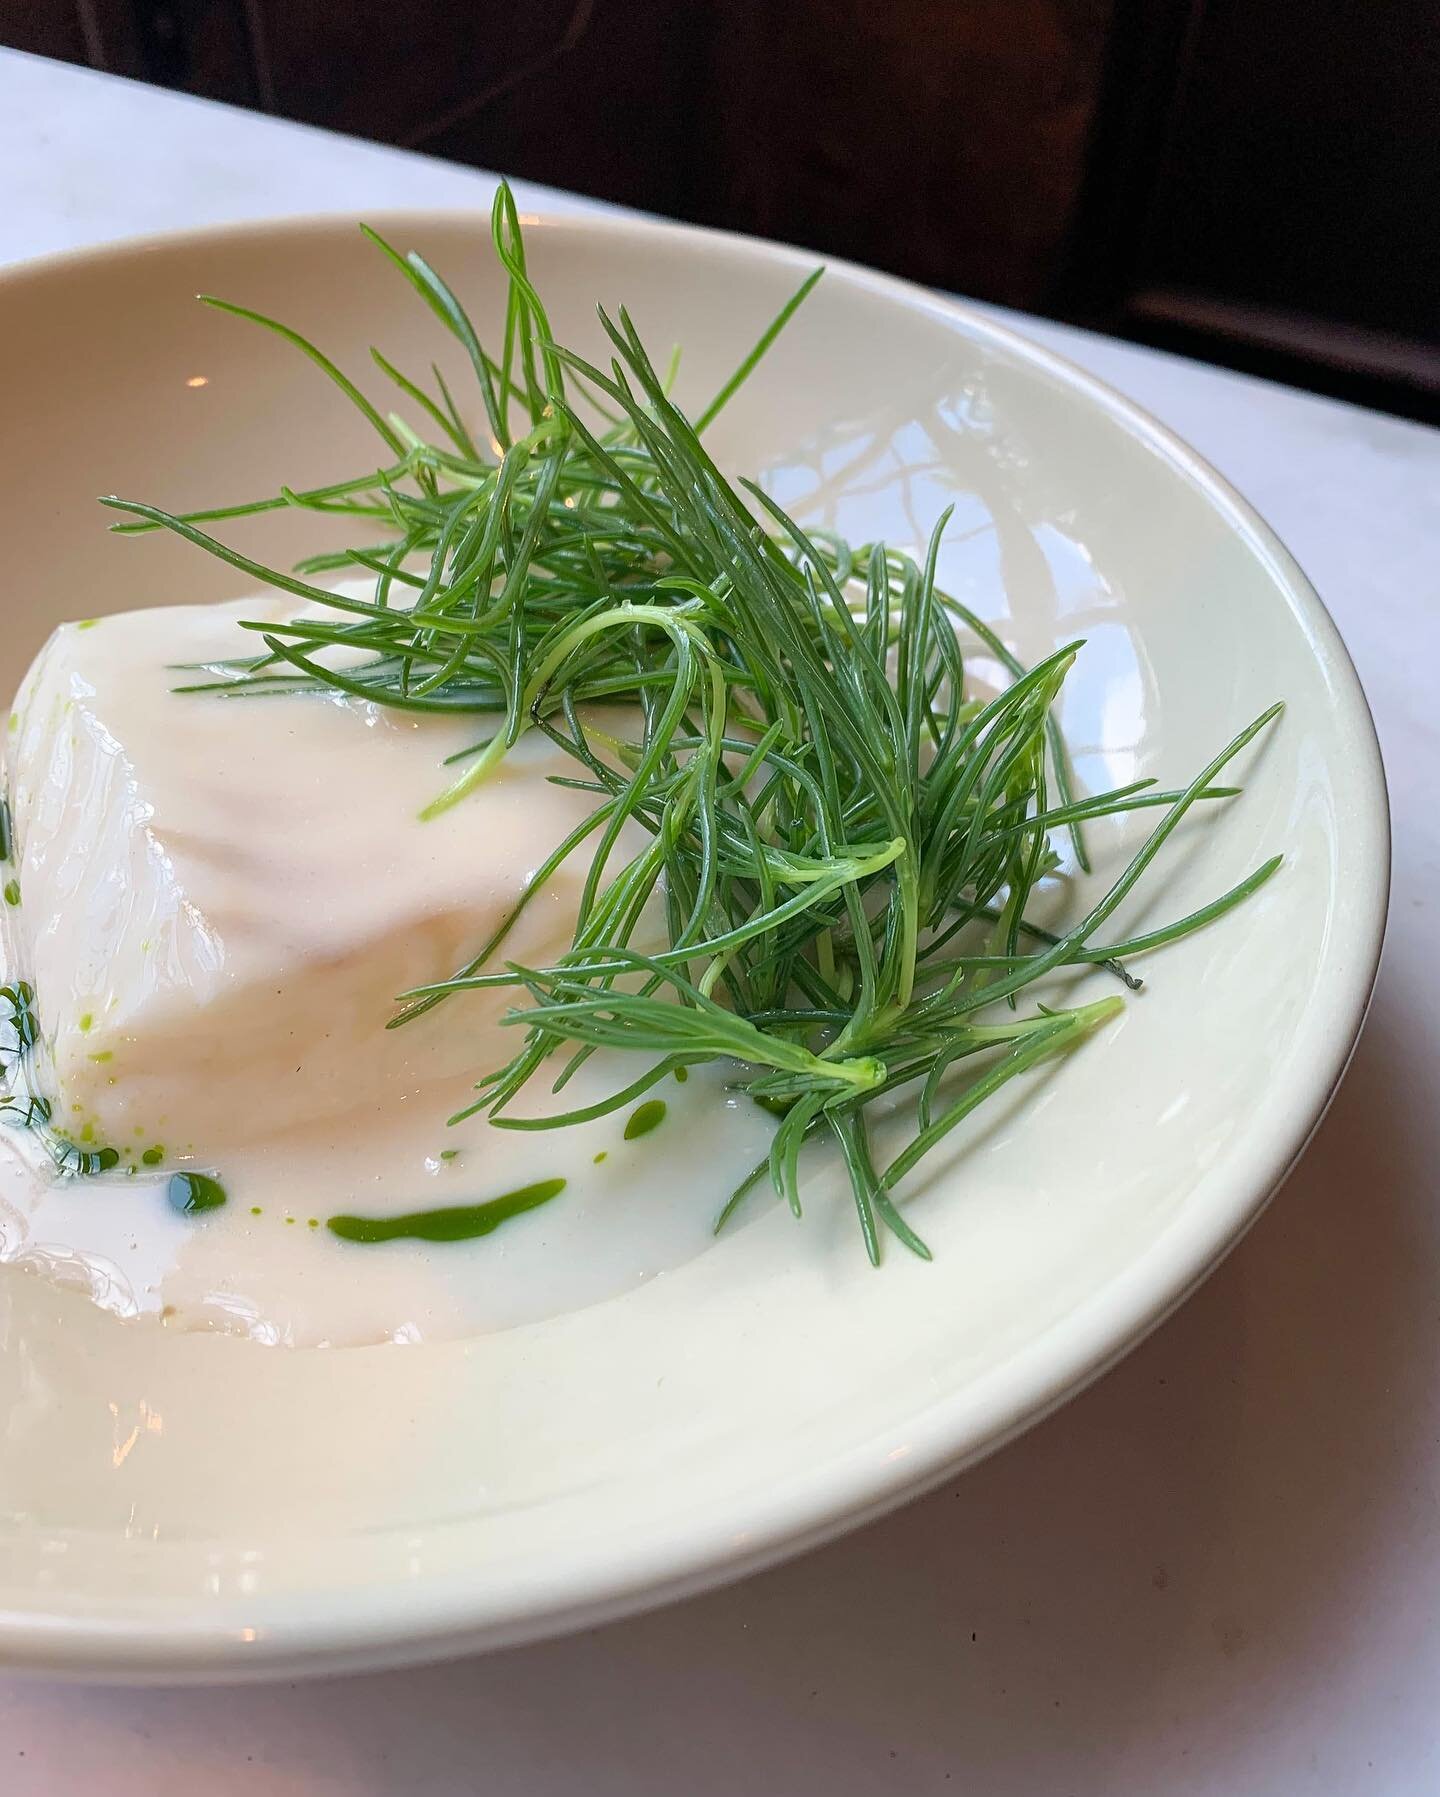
{"points": [[1218, 1571]]}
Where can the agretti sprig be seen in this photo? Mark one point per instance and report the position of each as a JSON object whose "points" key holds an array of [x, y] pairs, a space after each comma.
{"points": [[811, 853]]}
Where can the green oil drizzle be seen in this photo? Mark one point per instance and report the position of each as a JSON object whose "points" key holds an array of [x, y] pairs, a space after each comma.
{"points": [[650, 1116], [12, 892], [191, 1193], [101, 1160], [452, 1223], [87, 623], [87, 1022], [600, 1157], [152, 1157]]}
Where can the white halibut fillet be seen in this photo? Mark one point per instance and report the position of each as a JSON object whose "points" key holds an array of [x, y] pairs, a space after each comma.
{"points": [[223, 897]]}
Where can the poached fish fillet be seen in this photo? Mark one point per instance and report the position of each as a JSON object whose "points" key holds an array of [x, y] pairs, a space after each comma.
{"points": [[221, 898]]}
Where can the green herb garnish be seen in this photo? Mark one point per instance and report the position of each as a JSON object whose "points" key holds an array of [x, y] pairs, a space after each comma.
{"points": [[21, 1106], [843, 847], [20, 1015]]}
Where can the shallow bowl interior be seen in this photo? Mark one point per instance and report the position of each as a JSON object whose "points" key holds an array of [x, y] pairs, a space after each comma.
{"points": [[195, 1506]]}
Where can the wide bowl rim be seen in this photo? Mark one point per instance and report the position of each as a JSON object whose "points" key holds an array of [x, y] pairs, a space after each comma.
{"points": [[392, 1625]]}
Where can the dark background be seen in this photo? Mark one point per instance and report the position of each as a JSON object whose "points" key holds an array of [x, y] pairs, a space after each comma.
{"points": [[1254, 181]]}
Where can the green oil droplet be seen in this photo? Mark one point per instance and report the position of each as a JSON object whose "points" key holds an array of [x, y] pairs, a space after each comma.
{"points": [[87, 1022], [105, 1054], [255, 1211], [101, 1161], [650, 1116], [452, 1223], [152, 1157], [312, 1222], [448, 1154], [601, 1156], [191, 1193], [87, 623], [12, 892], [681, 1075]]}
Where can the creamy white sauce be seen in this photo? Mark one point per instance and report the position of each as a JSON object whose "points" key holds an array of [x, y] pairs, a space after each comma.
{"points": [[220, 901]]}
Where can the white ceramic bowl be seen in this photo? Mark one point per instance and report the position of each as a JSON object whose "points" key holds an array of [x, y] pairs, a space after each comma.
{"points": [[182, 1507]]}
